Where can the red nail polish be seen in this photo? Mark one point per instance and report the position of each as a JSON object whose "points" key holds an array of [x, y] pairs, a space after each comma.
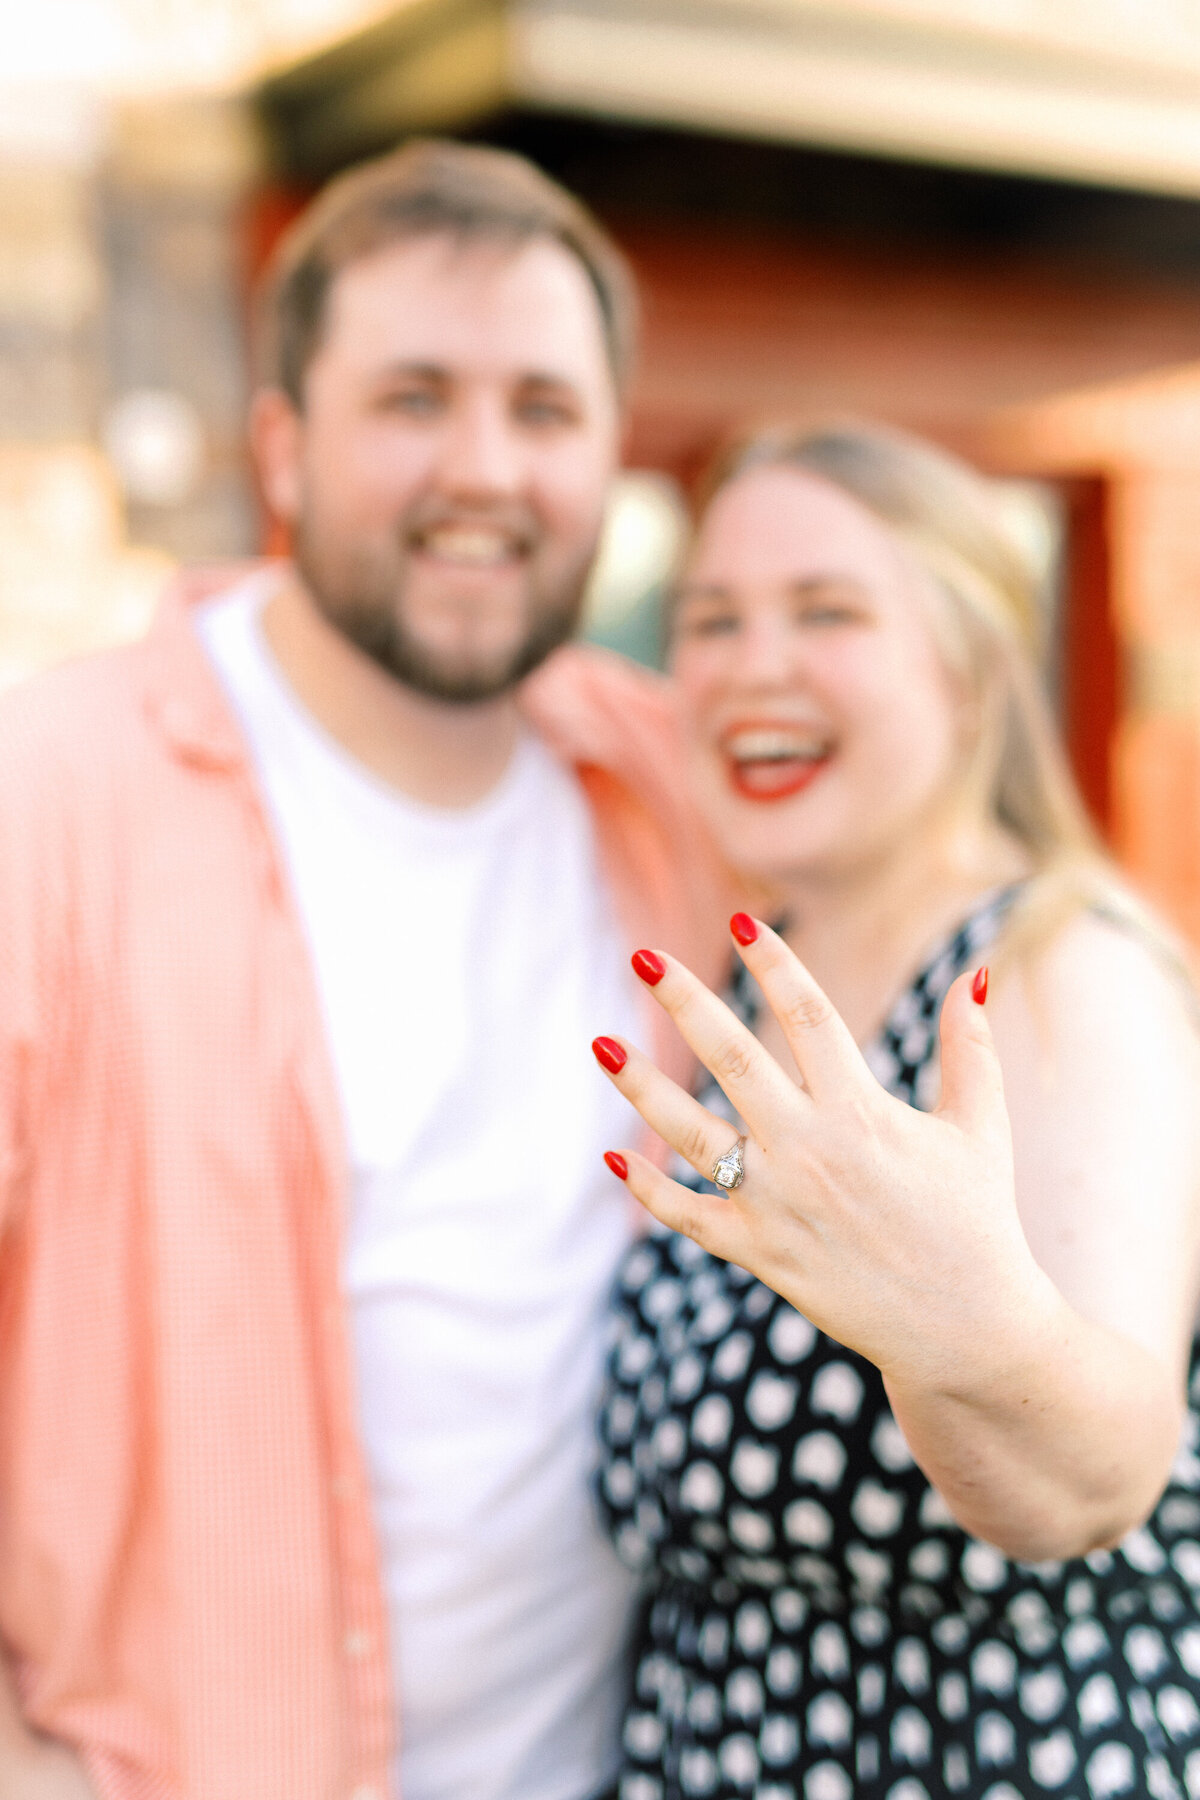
{"points": [[743, 928], [979, 987], [609, 1054], [617, 1164], [648, 967]]}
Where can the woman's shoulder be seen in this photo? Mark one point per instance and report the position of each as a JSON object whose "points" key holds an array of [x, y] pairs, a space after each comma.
{"points": [[1106, 1003], [1111, 964]]}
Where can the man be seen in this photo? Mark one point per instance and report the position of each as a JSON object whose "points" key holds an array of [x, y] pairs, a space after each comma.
{"points": [[309, 906]]}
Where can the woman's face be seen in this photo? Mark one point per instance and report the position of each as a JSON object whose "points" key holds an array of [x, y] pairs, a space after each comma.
{"points": [[825, 728]]}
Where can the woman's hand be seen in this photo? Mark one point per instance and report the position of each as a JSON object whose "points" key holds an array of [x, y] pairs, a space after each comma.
{"points": [[894, 1231], [898, 1233]]}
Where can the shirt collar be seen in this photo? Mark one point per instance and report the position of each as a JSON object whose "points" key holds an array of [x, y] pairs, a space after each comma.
{"points": [[567, 701], [183, 694]]}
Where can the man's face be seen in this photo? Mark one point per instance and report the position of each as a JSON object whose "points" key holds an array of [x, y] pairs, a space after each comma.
{"points": [[446, 481]]}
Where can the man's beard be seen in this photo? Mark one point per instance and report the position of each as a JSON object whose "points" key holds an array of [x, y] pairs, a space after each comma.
{"points": [[367, 605]]}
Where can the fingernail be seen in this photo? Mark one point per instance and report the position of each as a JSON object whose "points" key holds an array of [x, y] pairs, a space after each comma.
{"points": [[648, 967], [979, 987], [609, 1054], [743, 928], [617, 1164]]}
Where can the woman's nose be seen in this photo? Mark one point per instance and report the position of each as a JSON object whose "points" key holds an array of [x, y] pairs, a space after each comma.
{"points": [[765, 652]]}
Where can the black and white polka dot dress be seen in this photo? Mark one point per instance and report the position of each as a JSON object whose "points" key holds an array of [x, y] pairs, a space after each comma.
{"points": [[816, 1626]]}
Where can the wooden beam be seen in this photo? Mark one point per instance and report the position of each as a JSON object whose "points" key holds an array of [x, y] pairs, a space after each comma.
{"points": [[865, 77]]}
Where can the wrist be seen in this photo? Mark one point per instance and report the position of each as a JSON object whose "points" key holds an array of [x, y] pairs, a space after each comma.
{"points": [[992, 1352]]}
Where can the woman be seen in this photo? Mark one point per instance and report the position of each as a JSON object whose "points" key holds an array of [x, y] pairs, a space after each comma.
{"points": [[883, 1426]]}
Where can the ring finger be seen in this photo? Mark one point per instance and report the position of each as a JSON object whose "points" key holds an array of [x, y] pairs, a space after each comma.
{"points": [[700, 1137]]}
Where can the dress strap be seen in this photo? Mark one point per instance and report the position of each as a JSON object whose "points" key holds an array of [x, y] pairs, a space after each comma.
{"points": [[903, 1053]]}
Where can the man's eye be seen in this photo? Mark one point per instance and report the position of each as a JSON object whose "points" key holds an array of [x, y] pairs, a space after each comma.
{"points": [[827, 615], [546, 412], [412, 403]]}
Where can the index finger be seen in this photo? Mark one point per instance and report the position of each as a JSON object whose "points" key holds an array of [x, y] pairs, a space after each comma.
{"points": [[762, 1093], [826, 1054]]}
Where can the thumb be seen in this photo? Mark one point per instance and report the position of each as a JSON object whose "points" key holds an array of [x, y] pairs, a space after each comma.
{"points": [[972, 1085]]}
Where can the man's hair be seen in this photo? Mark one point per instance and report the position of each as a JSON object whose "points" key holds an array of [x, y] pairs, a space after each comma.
{"points": [[429, 187]]}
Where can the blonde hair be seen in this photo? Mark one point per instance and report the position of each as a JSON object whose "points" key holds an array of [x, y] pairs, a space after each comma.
{"points": [[990, 629]]}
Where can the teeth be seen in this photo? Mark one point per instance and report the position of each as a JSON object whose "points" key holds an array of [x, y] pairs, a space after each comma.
{"points": [[774, 746], [469, 544]]}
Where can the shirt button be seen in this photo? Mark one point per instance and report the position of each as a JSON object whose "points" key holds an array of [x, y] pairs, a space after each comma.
{"points": [[365, 1792], [342, 1487], [358, 1644]]}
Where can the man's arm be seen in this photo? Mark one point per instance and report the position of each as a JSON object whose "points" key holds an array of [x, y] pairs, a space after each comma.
{"points": [[32, 1766]]}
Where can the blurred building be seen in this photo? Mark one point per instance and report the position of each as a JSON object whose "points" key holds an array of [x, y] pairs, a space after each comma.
{"points": [[980, 218]]}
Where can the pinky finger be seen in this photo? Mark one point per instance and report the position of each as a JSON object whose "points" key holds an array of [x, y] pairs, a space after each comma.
{"points": [[709, 1219]]}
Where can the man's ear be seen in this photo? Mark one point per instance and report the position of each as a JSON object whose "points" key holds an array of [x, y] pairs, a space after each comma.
{"points": [[275, 431]]}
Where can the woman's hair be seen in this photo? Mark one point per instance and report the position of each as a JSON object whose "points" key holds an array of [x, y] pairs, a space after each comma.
{"points": [[990, 628]]}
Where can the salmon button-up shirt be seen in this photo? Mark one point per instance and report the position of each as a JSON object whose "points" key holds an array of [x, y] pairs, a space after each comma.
{"points": [[189, 1583]]}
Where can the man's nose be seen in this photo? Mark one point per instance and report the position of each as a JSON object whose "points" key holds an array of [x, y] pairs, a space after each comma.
{"points": [[481, 453]]}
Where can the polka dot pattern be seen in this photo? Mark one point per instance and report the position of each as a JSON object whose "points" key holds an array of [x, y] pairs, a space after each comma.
{"points": [[816, 1627]]}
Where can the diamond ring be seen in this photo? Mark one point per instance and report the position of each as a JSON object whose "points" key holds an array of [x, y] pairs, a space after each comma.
{"points": [[729, 1170]]}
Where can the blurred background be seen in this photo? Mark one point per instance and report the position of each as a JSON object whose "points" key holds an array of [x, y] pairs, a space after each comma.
{"points": [[978, 218]]}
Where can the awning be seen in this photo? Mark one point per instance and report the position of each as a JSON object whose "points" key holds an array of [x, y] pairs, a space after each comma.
{"points": [[1105, 93]]}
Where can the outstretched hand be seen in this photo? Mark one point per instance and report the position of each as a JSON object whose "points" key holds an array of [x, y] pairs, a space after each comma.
{"points": [[894, 1231]]}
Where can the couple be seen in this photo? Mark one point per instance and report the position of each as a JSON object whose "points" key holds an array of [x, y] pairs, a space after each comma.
{"points": [[311, 905]]}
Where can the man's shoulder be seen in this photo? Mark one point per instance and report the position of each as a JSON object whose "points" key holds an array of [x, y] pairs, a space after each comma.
{"points": [[78, 720], [71, 716], [67, 747]]}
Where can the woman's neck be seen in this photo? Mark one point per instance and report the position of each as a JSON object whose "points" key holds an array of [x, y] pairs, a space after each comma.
{"points": [[862, 933]]}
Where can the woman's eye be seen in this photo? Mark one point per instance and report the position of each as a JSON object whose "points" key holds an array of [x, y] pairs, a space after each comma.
{"points": [[832, 609], [703, 625]]}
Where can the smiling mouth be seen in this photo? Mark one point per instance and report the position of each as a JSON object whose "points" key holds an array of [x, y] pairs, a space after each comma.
{"points": [[773, 762], [471, 546]]}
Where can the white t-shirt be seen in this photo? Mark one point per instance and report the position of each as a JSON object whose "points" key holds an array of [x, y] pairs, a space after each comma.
{"points": [[465, 958]]}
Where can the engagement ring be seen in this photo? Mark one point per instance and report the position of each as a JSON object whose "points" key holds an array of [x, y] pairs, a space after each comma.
{"points": [[728, 1170]]}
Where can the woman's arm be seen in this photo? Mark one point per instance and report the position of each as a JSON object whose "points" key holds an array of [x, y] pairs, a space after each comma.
{"points": [[1033, 1355], [1101, 1068]]}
